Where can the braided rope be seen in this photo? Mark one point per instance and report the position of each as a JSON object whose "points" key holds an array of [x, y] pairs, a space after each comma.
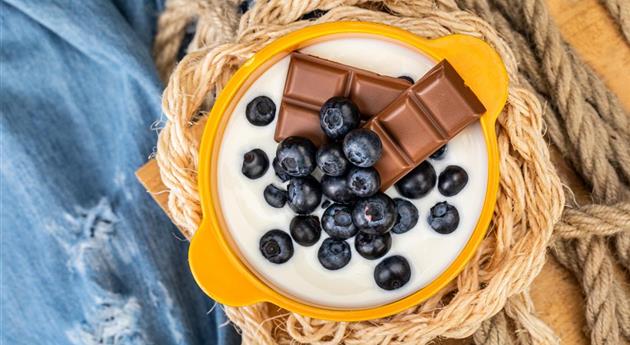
{"points": [[620, 11], [602, 147], [217, 19], [531, 329], [594, 219], [529, 202], [494, 331], [592, 256], [539, 52]]}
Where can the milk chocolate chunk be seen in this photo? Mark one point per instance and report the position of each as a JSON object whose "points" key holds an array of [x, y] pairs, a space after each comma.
{"points": [[421, 120], [311, 81]]}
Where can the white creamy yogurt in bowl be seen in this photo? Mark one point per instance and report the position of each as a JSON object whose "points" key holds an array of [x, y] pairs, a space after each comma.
{"points": [[248, 216]]}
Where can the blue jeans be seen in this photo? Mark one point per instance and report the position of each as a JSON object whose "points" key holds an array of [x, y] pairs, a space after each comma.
{"points": [[87, 256]]}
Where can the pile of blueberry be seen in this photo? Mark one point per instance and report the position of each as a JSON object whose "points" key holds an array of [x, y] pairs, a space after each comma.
{"points": [[355, 207]]}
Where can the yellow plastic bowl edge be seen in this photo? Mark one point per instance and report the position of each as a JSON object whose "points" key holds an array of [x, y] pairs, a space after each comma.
{"points": [[215, 264]]}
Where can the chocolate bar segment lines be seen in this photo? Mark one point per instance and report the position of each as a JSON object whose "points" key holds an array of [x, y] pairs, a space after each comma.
{"points": [[421, 120], [311, 81], [446, 97]]}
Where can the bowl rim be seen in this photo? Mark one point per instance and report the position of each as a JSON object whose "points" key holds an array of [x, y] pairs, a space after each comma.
{"points": [[212, 242]]}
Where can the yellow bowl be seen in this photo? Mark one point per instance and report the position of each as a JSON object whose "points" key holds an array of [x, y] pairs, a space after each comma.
{"points": [[214, 259]]}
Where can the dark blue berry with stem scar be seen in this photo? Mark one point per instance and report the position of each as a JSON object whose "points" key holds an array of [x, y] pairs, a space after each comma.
{"points": [[276, 246], [363, 182], [407, 78], [374, 215], [275, 196], [260, 111], [282, 175], [336, 189], [337, 222], [392, 273], [255, 164], [305, 230], [331, 160], [452, 180], [296, 156], [372, 246], [443, 218], [304, 194], [338, 116], [362, 147], [440, 153], [406, 216], [418, 182], [334, 253]]}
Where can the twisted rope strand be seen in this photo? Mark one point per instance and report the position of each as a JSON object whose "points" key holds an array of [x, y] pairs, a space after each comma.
{"points": [[622, 244], [620, 11], [584, 133], [494, 331], [594, 219], [217, 19], [530, 329]]}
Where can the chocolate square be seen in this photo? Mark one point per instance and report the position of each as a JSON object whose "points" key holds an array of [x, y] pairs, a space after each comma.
{"points": [[422, 119], [311, 81]]}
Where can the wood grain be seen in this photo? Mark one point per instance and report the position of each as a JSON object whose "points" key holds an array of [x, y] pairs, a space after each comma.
{"points": [[588, 28]]}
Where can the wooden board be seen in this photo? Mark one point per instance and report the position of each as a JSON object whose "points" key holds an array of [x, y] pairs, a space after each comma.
{"points": [[587, 26]]}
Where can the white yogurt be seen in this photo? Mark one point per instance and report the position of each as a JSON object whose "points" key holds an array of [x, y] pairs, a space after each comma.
{"points": [[248, 216]]}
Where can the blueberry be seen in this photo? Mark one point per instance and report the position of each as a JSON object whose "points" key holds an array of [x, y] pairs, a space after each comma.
{"points": [[407, 78], [296, 156], [282, 175], [255, 164], [305, 230], [304, 194], [418, 182], [338, 116], [326, 203], [406, 216], [260, 111], [439, 154], [443, 218], [372, 246], [392, 273], [336, 189], [331, 160], [276, 246], [275, 196], [452, 180], [337, 222], [374, 215], [363, 182], [334, 253], [362, 147]]}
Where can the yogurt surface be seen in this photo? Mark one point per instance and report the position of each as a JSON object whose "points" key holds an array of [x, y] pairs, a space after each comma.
{"points": [[249, 217]]}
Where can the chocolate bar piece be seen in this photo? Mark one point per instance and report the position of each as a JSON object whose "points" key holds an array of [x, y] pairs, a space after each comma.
{"points": [[421, 120], [311, 81]]}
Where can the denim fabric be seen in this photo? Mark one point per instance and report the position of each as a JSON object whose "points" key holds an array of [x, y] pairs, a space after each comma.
{"points": [[87, 256]]}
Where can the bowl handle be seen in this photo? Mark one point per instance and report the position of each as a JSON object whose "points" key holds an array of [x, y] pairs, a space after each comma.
{"points": [[219, 274]]}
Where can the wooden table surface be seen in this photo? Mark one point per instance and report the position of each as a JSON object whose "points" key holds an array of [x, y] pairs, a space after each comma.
{"points": [[587, 26]]}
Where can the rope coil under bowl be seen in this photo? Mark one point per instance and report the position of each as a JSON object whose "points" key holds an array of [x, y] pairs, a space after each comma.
{"points": [[529, 203]]}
